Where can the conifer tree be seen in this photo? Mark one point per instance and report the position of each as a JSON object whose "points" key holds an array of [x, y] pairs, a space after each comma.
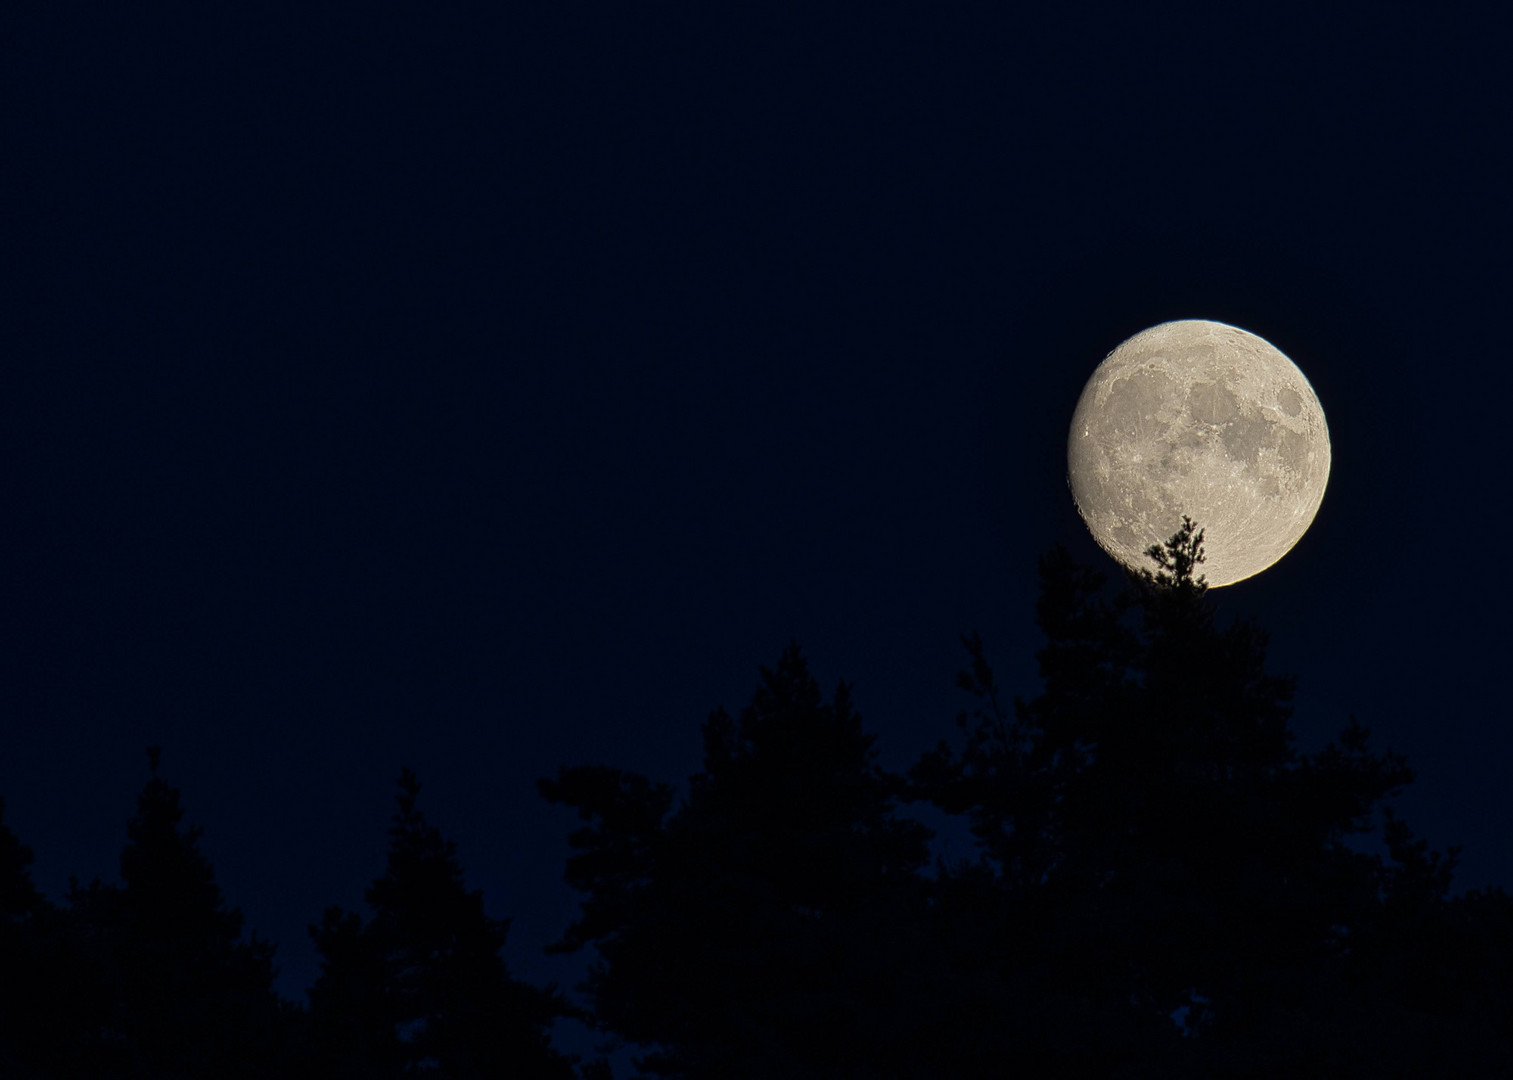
{"points": [[771, 925], [35, 1032], [173, 991], [1159, 848], [422, 988]]}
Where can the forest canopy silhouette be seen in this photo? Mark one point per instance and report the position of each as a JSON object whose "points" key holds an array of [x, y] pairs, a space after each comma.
{"points": [[1161, 887]]}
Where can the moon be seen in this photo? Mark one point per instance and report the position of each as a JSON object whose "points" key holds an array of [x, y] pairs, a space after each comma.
{"points": [[1206, 420]]}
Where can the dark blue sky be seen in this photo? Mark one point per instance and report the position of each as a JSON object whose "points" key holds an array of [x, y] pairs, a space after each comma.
{"points": [[489, 393]]}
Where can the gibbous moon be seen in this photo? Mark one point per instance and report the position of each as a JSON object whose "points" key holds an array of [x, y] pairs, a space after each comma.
{"points": [[1204, 419]]}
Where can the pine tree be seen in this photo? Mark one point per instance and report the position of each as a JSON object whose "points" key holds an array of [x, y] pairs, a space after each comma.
{"points": [[354, 1017], [35, 1019], [771, 925], [173, 991], [422, 988], [1152, 845]]}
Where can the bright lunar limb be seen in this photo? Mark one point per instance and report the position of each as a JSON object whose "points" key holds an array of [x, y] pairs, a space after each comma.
{"points": [[1204, 419]]}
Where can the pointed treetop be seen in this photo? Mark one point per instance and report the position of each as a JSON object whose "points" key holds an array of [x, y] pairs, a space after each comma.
{"points": [[789, 686], [17, 893], [409, 788], [1177, 558]]}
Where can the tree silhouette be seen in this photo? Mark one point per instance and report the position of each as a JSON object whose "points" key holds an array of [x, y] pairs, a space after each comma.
{"points": [[421, 988], [1163, 885], [20, 908], [171, 990], [771, 925], [1162, 888], [1160, 848], [39, 1027]]}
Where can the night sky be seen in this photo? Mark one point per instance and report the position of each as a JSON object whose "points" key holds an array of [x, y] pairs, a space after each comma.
{"points": [[487, 393]]}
